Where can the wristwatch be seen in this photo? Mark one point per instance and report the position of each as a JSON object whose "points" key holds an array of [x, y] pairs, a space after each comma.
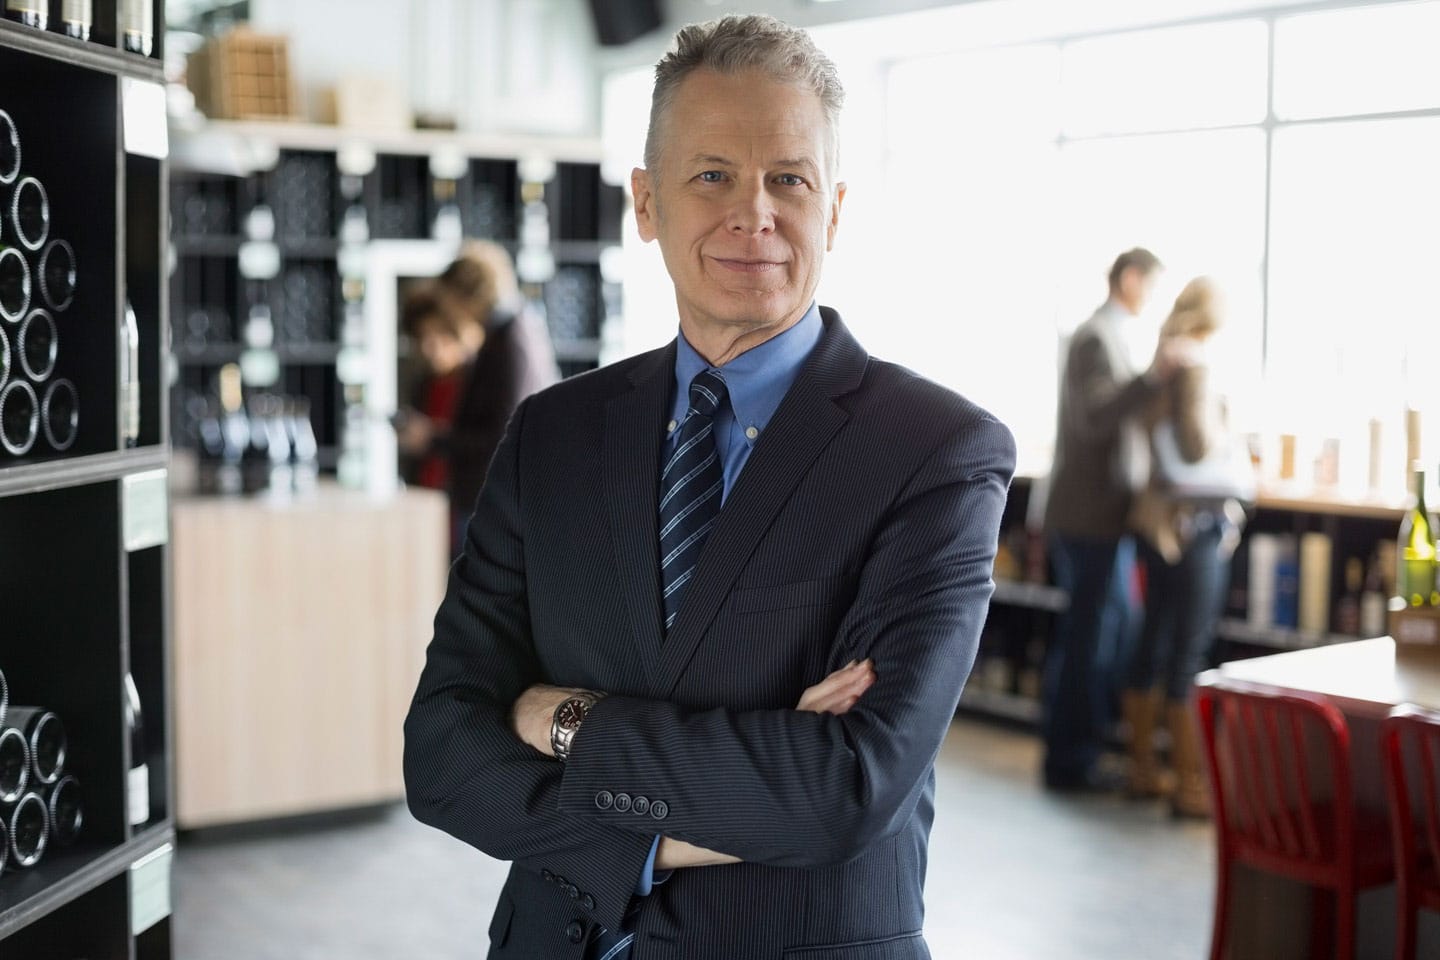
{"points": [[566, 723]]}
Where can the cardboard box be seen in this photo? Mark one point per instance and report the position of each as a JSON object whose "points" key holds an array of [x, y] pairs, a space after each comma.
{"points": [[243, 75]]}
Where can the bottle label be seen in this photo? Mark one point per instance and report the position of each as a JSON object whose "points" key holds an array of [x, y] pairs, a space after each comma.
{"points": [[1419, 581], [139, 794]]}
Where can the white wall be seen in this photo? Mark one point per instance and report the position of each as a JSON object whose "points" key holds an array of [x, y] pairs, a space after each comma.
{"points": [[500, 66]]}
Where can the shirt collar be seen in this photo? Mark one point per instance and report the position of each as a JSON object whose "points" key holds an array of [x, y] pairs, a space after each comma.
{"points": [[758, 379]]}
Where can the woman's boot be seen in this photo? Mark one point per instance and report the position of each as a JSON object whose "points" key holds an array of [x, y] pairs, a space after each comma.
{"points": [[1141, 710], [1192, 789]]}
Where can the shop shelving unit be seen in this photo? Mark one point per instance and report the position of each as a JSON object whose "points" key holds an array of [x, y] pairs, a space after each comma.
{"points": [[83, 556], [541, 198]]}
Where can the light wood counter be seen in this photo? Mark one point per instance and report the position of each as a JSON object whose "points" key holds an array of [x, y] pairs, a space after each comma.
{"points": [[300, 632]]}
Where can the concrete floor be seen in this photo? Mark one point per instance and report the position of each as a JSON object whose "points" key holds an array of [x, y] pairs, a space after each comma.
{"points": [[1015, 874]]}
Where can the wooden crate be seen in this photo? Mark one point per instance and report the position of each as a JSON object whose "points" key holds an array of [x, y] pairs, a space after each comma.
{"points": [[243, 75]]}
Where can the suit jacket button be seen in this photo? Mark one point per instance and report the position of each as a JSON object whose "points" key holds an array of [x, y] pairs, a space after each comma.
{"points": [[549, 876], [622, 802], [604, 799], [572, 891], [659, 809], [575, 931], [640, 805], [588, 902]]}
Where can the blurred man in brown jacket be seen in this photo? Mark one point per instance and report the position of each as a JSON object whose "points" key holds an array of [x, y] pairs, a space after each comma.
{"points": [[1097, 466]]}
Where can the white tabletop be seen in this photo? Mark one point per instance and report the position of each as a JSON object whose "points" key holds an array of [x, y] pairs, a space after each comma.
{"points": [[1363, 677]]}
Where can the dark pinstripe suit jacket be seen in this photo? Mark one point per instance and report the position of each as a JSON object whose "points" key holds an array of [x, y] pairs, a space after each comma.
{"points": [[864, 524]]}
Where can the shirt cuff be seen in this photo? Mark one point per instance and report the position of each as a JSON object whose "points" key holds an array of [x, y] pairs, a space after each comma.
{"points": [[649, 879], [646, 883]]}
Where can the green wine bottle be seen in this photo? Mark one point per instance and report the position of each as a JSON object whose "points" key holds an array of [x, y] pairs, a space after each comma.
{"points": [[1415, 550]]}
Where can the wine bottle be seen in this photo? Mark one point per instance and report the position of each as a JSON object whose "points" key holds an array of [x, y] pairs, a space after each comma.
{"points": [[30, 213], [45, 736], [38, 346], [76, 16], [6, 362], [255, 462], [1373, 604], [137, 23], [234, 431], [130, 379], [4, 697], [277, 445], [1347, 608], [138, 792], [14, 284], [57, 274], [29, 822], [14, 764], [60, 414], [1415, 550], [67, 810], [32, 13], [19, 417], [9, 149], [304, 452]]}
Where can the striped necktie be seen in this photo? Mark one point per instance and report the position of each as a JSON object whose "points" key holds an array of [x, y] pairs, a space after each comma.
{"points": [[691, 487]]}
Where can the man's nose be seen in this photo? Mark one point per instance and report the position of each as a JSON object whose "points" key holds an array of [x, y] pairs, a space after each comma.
{"points": [[752, 211]]}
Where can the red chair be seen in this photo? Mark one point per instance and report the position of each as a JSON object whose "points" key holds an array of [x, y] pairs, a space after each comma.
{"points": [[1284, 804], [1417, 853]]}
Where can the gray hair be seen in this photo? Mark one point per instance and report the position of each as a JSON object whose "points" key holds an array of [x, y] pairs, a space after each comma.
{"points": [[737, 44]]}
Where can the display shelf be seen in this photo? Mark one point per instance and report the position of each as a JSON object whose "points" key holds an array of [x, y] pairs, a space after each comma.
{"points": [[90, 55], [206, 246], [1280, 638], [46, 889], [996, 703], [77, 605], [1036, 596], [79, 471]]}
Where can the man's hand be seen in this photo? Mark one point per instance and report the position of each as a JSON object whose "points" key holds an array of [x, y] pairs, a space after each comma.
{"points": [[1172, 355], [836, 694], [415, 432], [841, 690], [533, 714]]}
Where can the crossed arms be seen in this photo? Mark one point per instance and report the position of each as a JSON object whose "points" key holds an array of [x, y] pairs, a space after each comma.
{"points": [[785, 787]]}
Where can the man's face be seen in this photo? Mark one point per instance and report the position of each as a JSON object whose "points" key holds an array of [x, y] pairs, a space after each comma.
{"points": [[1136, 287], [744, 204]]}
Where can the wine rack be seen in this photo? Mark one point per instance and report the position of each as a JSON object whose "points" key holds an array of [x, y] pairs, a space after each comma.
{"points": [[558, 218], [83, 554]]}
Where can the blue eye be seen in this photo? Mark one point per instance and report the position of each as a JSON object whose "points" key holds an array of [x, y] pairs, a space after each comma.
{"points": [[792, 180], [712, 176]]}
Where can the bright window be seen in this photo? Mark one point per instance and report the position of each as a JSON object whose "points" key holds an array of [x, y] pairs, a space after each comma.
{"points": [[1204, 76], [1363, 60], [1355, 236]]}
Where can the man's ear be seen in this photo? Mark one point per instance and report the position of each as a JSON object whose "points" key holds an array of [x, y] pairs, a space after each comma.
{"points": [[834, 216], [646, 219]]}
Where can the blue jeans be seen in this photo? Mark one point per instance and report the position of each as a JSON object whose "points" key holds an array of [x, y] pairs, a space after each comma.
{"points": [[1089, 640], [1182, 604]]}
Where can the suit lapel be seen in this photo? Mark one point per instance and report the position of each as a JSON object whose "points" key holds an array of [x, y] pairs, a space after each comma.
{"points": [[634, 426], [802, 427]]}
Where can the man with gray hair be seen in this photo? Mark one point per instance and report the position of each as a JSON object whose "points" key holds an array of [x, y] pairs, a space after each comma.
{"points": [[717, 602]]}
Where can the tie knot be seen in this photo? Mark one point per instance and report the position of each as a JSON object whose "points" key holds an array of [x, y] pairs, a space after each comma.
{"points": [[707, 392]]}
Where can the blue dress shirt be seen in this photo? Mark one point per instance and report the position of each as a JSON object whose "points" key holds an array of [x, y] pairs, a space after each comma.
{"points": [[757, 380]]}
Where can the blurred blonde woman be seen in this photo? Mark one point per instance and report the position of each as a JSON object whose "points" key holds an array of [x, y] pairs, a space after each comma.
{"points": [[1187, 521]]}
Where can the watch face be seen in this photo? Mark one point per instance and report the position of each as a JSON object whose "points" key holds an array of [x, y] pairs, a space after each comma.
{"points": [[570, 714]]}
